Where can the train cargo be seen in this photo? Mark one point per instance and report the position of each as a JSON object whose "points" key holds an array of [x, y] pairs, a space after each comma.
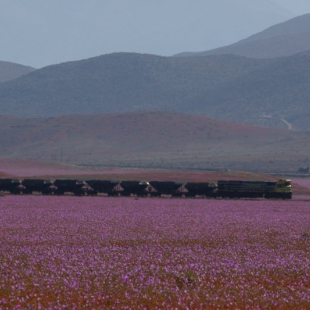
{"points": [[106, 187], [76, 187], [165, 188], [136, 188], [201, 189], [31, 186], [231, 189], [12, 186]]}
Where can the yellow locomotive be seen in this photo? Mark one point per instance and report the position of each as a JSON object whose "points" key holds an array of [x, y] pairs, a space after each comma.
{"points": [[255, 189]]}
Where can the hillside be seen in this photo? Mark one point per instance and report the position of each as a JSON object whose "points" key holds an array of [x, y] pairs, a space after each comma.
{"points": [[118, 82], [153, 140], [271, 92], [10, 71], [284, 39], [274, 95]]}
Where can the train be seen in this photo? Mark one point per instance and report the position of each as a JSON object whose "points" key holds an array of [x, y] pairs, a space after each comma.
{"points": [[226, 189]]}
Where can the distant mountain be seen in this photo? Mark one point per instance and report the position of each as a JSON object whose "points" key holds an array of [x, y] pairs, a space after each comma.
{"points": [[119, 82], [272, 92], [10, 71], [153, 139], [284, 39], [277, 93]]}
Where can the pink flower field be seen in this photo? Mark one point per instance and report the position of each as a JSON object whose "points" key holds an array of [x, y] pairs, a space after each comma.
{"points": [[302, 181], [125, 253]]}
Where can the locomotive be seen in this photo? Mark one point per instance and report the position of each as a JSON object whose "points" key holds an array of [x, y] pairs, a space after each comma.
{"points": [[255, 189], [280, 189]]}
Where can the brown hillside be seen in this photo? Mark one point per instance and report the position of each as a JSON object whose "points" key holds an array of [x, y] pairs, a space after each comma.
{"points": [[153, 139]]}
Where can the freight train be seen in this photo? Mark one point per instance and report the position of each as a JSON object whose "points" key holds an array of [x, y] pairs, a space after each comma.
{"points": [[280, 189]]}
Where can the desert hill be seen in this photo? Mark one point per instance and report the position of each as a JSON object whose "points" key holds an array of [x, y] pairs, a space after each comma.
{"points": [[274, 95], [10, 71], [284, 39], [271, 92], [117, 83], [153, 139]]}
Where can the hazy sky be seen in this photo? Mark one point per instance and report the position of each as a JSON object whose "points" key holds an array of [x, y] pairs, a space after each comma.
{"points": [[44, 32], [298, 7]]}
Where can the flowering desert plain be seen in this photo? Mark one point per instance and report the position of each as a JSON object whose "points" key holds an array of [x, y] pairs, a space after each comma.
{"points": [[129, 253], [152, 253]]}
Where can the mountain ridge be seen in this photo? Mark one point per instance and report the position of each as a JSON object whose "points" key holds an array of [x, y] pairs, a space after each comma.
{"points": [[228, 87], [115, 79], [283, 39], [10, 71]]}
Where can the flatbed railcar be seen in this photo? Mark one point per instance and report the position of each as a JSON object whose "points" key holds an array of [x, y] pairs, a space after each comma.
{"points": [[232, 189]]}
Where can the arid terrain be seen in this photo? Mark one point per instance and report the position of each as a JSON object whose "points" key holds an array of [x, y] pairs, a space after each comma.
{"points": [[90, 140], [165, 140]]}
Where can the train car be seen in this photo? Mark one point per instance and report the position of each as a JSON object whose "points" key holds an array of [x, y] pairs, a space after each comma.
{"points": [[12, 186], [37, 185], [76, 187], [280, 189], [254, 189], [202, 189], [103, 186], [136, 188], [166, 188]]}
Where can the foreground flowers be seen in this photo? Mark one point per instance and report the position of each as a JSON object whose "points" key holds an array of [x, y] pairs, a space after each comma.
{"points": [[68, 252]]}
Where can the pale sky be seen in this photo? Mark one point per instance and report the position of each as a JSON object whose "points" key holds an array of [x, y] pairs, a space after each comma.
{"points": [[298, 7], [44, 32]]}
